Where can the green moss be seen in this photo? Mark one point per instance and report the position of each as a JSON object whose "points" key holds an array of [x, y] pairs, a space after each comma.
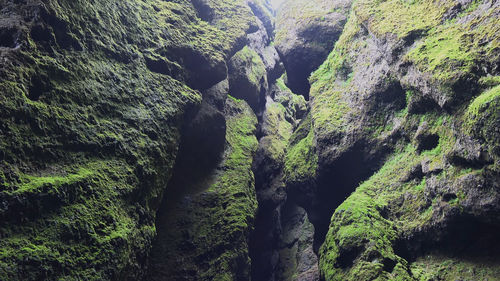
{"points": [[281, 83], [482, 101], [452, 49], [241, 136], [433, 267], [218, 216], [56, 238], [90, 131], [481, 120], [358, 226], [254, 66], [301, 160], [401, 17], [300, 13], [329, 107], [489, 81], [33, 183]]}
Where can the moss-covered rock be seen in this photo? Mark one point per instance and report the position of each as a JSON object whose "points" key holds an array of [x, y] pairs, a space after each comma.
{"points": [[93, 99], [306, 32], [393, 83], [248, 77], [203, 233]]}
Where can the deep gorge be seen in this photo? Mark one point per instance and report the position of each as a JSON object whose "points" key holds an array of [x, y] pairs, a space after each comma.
{"points": [[249, 140]]}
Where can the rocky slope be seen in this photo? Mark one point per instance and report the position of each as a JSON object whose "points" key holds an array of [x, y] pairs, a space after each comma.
{"points": [[223, 140]]}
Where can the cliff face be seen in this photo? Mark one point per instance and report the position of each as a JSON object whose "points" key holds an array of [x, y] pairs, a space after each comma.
{"points": [[224, 140], [94, 99]]}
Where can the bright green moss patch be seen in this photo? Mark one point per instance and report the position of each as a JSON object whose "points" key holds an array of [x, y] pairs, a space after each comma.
{"points": [[33, 183], [400, 16], [482, 101], [240, 134], [481, 120], [452, 49], [489, 81], [330, 82]]}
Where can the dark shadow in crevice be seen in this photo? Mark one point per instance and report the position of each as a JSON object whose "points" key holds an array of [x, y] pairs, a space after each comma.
{"points": [[39, 85], [463, 237], [8, 37], [335, 183], [428, 142]]}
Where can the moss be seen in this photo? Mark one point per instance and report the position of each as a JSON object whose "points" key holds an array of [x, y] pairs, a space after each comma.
{"points": [[482, 101], [364, 227], [452, 50], [489, 81], [254, 66], [481, 119], [401, 17], [302, 14], [301, 160], [329, 106], [247, 76], [55, 239], [241, 136], [441, 267]]}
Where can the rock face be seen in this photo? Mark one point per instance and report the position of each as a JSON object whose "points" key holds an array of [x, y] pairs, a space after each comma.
{"points": [[393, 107], [207, 140], [95, 97], [305, 34], [203, 230]]}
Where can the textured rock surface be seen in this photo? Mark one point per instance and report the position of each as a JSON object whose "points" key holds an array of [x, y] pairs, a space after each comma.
{"points": [[94, 96], [164, 140], [203, 231], [400, 97], [305, 33]]}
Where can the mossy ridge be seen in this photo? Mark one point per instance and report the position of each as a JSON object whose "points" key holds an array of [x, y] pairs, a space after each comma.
{"points": [[301, 13], [401, 17], [331, 82], [481, 120], [255, 69], [233, 17], [453, 50]]}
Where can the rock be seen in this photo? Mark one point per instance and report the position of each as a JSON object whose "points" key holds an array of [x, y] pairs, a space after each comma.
{"points": [[92, 111], [203, 231], [306, 33], [247, 77], [297, 259]]}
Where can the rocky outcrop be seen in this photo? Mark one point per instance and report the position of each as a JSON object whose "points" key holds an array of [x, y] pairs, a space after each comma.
{"points": [[305, 34], [204, 225]]}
